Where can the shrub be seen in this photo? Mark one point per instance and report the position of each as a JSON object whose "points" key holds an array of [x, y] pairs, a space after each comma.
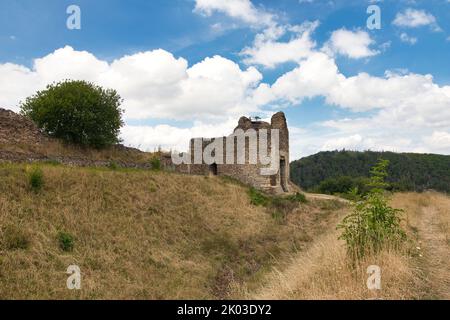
{"points": [[336, 185], [343, 185], [52, 162], [155, 163], [278, 206], [15, 238], [257, 198], [66, 241], [373, 224], [297, 197], [36, 179], [281, 206], [77, 112], [352, 195], [113, 165]]}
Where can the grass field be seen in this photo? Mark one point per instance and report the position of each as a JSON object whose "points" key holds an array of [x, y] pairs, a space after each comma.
{"points": [[139, 234]]}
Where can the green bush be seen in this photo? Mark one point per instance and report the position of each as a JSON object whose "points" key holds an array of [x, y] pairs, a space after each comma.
{"points": [[278, 206], [36, 179], [352, 195], [14, 238], [343, 185], [52, 162], [297, 197], [373, 224], [155, 163], [257, 198], [282, 206], [77, 112], [66, 241], [113, 165]]}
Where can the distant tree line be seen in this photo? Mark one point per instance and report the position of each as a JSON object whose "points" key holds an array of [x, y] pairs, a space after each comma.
{"points": [[335, 172]]}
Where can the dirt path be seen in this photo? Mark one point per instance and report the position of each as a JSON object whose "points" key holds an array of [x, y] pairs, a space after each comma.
{"points": [[324, 197], [436, 253], [322, 271]]}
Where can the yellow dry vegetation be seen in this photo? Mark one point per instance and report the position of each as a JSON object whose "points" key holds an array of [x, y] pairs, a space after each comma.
{"points": [[141, 234], [420, 271]]}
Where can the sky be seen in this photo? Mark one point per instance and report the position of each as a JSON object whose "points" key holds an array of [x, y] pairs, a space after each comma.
{"points": [[191, 68]]}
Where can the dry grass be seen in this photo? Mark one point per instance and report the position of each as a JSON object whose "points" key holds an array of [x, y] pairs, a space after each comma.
{"points": [[140, 234], [156, 235], [428, 220], [323, 271]]}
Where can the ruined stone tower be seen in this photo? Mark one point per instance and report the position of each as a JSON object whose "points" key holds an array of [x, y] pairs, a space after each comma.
{"points": [[277, 181]]}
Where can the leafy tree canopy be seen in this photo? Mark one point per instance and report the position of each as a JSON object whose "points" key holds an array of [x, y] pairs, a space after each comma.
{"points": [[77, 112]]}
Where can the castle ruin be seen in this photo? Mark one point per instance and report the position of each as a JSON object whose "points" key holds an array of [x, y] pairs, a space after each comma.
{"points": [[245, 170]]}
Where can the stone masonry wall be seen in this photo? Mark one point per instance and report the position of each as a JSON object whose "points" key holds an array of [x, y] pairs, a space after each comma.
{"points": [[247, 173]]}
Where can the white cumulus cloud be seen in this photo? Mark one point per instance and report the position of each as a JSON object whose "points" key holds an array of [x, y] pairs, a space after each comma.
{"points": [[319, 75], [408, 111], [268, 51], [242, 10], [438, 141], [170, 137], [353, 44], [413, 18], [154, 84]]}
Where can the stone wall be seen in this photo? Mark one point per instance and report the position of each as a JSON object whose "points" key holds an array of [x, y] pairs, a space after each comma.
{"points": [[247, 173], [16, 129], [15, 157]]}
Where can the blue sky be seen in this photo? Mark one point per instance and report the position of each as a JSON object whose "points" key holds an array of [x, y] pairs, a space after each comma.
{"points": [[200, 66]]}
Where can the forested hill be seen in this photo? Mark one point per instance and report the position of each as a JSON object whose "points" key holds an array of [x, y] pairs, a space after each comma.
{"points": [[407, 171]]}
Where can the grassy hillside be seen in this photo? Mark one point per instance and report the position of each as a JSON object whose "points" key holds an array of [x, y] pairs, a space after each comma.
{"points": [[142, 234], [22, 140], [407, 171]]}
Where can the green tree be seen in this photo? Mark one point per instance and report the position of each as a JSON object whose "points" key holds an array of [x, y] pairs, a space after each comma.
{"points": [[77, 112], [373, 224], [378, 175]]}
